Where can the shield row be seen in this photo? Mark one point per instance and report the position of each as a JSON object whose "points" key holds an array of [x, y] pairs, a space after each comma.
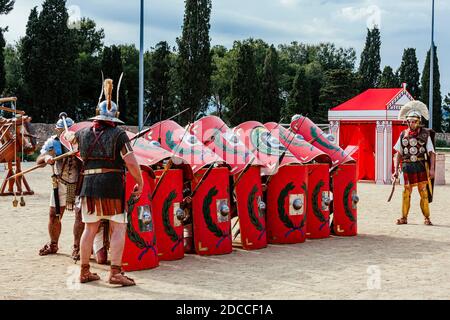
{"points": [[209, 187]]}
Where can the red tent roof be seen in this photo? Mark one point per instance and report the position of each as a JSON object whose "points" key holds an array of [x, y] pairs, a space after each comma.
{"points": [[371, 99]]}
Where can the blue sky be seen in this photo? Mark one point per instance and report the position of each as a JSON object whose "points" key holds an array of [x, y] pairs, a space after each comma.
{"points": [[403, 23]]}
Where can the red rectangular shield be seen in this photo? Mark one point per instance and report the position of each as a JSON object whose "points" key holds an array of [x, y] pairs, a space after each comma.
{"points": [[345, 200], [211, 228], [140, 250], [166, 203], [285, 222], [252, 219], [318, 210]]}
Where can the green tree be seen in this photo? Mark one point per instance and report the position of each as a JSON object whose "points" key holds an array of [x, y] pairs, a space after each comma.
{"points": [[158, 82], [331, 57], [245, 103], [260, 53], [89, 39], [49, 56], [437, 98], [299, 101], [89, 86], [13, 72], [446, 107], [194, 57], [369, 68], [295, 53], [339, 86], [29, 61], [409, 72], [5, 7], [270, 91], [389, 79], [130, 63], [2, 62], [317, 59], [90, 44], [222, 68]]}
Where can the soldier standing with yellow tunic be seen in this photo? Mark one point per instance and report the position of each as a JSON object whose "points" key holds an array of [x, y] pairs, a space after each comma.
{"points": [[415, 151]]}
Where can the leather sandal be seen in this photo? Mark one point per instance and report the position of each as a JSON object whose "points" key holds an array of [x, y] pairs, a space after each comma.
{"points": [[76, 253], [427, 222], [86, 275], [402, 221], [49, 248], [118, 277]]}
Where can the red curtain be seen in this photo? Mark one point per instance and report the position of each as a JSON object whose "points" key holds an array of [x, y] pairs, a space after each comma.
{"points": [[397, 128], [363, 136]]}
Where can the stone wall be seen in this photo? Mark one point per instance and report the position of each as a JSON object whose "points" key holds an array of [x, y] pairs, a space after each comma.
{"points": [[43, 131], [443, 136]]}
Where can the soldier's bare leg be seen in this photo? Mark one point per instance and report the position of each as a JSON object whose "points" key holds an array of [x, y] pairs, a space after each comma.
{"points": [[118, 231], [54, 231], [87, 240], [99, 248], [78, 228]]}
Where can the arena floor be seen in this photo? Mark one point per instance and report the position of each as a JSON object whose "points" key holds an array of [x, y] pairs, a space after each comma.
{"points": [[384, 261]]}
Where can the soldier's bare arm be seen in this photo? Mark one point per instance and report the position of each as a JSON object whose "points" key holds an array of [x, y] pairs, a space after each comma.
{"points": [[397, 158], [46, 157], [133, 168], [432, 166]]}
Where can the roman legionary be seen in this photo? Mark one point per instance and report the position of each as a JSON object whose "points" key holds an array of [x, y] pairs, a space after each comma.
{"points": [[65, 178], [415, 152], [106, 152]]}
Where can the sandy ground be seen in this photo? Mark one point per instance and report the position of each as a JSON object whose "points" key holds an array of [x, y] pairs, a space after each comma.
{"points": [[384, 261]]}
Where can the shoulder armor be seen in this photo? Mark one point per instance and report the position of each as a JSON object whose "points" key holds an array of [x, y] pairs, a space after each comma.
{"points": [[424, 134]]}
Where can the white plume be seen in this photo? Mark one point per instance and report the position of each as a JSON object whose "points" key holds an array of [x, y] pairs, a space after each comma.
{"points": [[415, 105]]}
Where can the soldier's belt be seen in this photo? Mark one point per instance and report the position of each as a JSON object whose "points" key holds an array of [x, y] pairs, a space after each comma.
{"points": [[100, 171], [411, 161], [64, 182]]}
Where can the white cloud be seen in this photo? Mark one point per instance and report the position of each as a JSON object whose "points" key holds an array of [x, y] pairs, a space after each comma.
{"points": [[406, 23], [371, 14], [289, 3]]}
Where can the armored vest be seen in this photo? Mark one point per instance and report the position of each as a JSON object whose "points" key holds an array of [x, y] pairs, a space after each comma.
{"points": [[101, 150], [414, 147], [68, 169]]}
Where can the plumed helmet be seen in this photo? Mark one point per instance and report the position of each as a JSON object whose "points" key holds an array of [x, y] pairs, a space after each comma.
{"points": [[107, 110], [60, 123], [414, 109], [107, 113]]}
